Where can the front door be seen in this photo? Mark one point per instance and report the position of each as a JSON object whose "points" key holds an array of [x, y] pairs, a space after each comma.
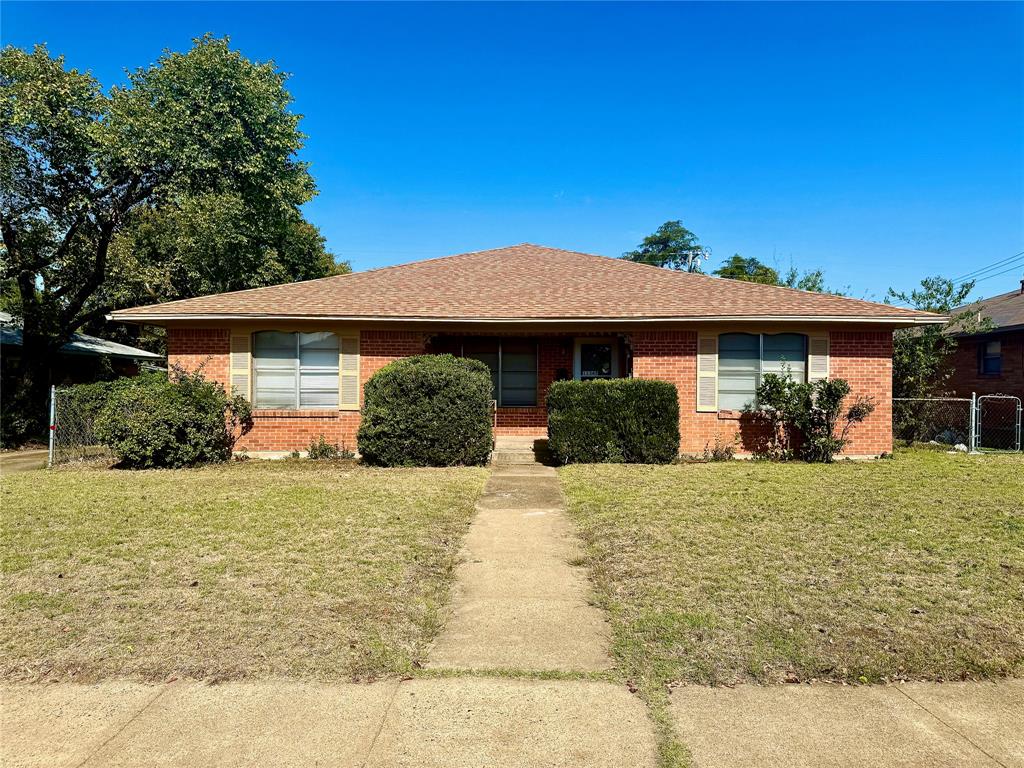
{"points": [[596, 358]]}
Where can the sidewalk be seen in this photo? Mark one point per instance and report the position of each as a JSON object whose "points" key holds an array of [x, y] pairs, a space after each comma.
{"points": [[453, 723], [518, 603], [931, 725]]}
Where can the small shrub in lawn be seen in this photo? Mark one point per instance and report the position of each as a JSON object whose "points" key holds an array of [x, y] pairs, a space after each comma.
{"points": [[721, 450], [180, 420], [427, 411], [320, 449], [634, 421]]}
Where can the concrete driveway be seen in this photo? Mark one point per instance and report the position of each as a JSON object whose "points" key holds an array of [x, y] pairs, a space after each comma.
{"points": [[22, 461]]}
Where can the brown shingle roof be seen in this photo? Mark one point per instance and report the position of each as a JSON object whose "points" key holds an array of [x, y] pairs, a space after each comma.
{"points": [[1006, 311], [523, 282]]}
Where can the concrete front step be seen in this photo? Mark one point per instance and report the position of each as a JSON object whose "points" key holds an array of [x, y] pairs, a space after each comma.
{"points": [[513, 458]]}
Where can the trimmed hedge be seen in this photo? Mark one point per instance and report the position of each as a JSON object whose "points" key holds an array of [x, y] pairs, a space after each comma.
{"points": [[180, 420], [427, 411], [634, 421]]}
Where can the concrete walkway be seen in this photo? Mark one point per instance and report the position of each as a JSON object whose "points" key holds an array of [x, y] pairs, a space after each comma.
{"points": [[451, 723], [931, 725], [518, 604]]}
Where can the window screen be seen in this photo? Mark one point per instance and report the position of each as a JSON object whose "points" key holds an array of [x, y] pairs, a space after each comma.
{"points": [[513, 366], [518, 372], [743, 358], [738, 370], [295, 370]]}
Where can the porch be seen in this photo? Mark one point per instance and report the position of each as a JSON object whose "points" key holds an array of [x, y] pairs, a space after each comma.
{"points": [[523, 367]]}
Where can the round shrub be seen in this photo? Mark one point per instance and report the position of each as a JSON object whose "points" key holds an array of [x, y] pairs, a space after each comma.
{"points": [[427, 411], [635, 421], [180, 420]]}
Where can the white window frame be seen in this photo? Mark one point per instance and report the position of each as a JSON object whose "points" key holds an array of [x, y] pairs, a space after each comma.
{"points": [[760, 358], [297, 373]]}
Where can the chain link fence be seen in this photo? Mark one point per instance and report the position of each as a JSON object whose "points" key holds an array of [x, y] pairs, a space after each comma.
{"points": [[72, 435], [998, 423], [988, 422]]}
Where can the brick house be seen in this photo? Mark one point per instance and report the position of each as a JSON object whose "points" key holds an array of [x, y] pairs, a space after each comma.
{"points": [[991, 363], [303, 351]]}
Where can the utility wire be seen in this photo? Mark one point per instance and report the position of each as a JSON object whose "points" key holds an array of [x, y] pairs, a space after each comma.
{"points": [[1014, 268], [982, 270]]}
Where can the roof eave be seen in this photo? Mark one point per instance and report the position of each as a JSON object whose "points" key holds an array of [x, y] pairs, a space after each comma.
{"points": [[881, 320]]}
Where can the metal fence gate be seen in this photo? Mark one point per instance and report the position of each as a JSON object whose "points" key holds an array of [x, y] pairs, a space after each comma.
{"points": [[72, 437], [979, 423], [998, 423]]}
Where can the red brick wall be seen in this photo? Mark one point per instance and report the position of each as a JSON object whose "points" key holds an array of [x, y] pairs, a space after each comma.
{"points": [[378, 348], [290, 430], [205, 348], [966, 379], [864, 358]]}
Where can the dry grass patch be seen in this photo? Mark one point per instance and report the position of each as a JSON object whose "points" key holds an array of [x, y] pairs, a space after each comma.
{"points": [[287, 569], [716, 573]]}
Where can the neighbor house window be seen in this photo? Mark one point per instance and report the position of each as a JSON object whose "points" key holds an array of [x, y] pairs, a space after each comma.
{"points": [[990, 357], [295, 370], [743, 358], [513, 366]]}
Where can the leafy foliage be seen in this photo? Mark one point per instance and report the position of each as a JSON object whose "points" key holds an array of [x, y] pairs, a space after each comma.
{"points": [[920, 359], [752, 270], [618, 420], [427, 411], [182, 182], [672, 246], [179, 421], [321, 450], [804, 417]]}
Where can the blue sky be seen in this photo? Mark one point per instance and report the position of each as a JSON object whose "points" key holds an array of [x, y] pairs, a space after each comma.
{"points": [[879, 142]]}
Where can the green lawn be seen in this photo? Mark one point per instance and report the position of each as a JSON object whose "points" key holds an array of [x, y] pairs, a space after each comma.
{"points": [[714, 573], [289, 569]]}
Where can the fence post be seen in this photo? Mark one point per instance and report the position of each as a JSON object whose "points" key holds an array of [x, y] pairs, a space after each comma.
{"points": [[973, 447], [53, 425]]}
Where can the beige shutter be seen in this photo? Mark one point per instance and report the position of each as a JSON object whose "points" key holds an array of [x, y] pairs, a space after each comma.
{"points": [[817, 357], [707, 373], [348, 374], [241, 366]]}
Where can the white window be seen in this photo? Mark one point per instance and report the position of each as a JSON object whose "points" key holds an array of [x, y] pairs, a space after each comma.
{"points": [[743, 358], [295, 370]]}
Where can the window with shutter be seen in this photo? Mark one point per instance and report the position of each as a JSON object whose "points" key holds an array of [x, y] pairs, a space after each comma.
{"points": [[707, 373], [349, 379], [241, 365], [817, 357]]}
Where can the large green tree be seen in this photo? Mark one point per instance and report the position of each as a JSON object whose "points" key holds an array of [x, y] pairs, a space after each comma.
{"points": [[749, 270], [921, 355], [183, 181], [672, 246], [752, 270]]}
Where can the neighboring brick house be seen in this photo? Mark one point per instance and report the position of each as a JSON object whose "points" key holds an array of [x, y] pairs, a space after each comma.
{"points": [[991, 363], [303, 351]]}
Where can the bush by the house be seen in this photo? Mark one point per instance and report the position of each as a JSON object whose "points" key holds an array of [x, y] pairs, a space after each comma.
{"points": [[619, 420], [320, 449], [807, 415], [427, 411], [180, 420]]}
